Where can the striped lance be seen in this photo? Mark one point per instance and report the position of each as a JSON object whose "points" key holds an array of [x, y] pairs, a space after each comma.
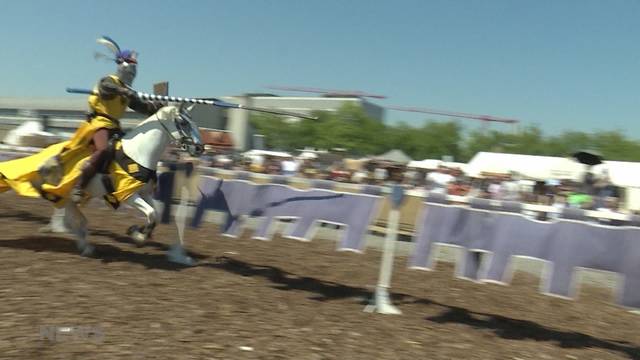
{"points": [[214, 102]]}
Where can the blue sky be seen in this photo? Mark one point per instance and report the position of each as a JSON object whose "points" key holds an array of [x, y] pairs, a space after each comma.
{"points": [[558, 64]]}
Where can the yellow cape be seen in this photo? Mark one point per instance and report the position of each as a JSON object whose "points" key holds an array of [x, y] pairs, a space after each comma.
{"points": [[23, 175]]}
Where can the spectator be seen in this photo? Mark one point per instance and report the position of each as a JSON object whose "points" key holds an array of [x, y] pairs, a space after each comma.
{"points": [[289, 167], [588, 183], [272, 167], [509, 189], [559, 203], [475, 189], [359, 176], [380, 174], [494, 189], [438, 180], [605, 189], [410, 177], [579, 200], [610, 206], [458, 187]]}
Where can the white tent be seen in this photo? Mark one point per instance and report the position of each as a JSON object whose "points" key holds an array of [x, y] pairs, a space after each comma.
{"points": [[432, 164], [455, 165], [529, 166], [621, 173], [252, 153], [394, 155], [307, 155], [258, 156], [429, 164]]}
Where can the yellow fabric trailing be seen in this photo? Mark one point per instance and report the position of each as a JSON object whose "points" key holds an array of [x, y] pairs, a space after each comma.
{"points": [[22, 175]]}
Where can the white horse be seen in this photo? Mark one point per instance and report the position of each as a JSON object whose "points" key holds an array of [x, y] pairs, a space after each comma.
{"points": [[144, 144]]}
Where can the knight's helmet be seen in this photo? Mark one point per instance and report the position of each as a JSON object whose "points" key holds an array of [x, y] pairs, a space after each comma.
{"points": [[127, 60]]}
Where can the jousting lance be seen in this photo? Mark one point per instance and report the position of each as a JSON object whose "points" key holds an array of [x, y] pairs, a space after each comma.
{"points": [[214, 102]]}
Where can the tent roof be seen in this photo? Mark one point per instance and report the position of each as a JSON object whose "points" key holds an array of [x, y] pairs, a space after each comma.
{"points": [[455, 165], [529, 166], [429, 164], [256, 152], [621, 173], [394, 155], [432, 164]]}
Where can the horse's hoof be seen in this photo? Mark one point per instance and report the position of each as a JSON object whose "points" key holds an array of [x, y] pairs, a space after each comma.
{"points": [[48, 229], [182, 260], [179, 256], [132, 229], [87, 250], [45, 229], [138, 237]]}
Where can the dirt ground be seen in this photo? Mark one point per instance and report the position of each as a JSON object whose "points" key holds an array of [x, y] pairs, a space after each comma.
{"points": [[280, 299]]}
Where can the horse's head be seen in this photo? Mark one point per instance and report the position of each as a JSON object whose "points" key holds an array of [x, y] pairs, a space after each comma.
{"points": [[181, 128]]}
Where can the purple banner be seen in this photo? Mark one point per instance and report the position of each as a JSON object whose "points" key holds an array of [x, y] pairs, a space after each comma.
{"points": [[307, 208], [564, 245]]}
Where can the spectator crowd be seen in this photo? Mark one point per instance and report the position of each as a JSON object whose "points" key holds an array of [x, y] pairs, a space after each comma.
{"points": [[592, 193]]}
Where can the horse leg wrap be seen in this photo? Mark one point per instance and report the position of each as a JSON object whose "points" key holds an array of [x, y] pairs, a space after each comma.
{"points": [[140, 234]]}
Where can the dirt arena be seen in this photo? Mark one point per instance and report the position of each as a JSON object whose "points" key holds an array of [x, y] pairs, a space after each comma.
{"points": [[283, 299]]}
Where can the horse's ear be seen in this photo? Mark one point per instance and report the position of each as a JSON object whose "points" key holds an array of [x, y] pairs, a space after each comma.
{"points": [[185, 108]]}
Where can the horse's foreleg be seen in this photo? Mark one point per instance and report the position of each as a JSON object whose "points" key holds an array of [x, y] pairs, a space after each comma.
{"points": [[56, 225], [140, 234], [75, 220]]}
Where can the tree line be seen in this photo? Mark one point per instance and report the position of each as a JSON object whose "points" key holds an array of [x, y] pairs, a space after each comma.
{"points": [[351, 129]]}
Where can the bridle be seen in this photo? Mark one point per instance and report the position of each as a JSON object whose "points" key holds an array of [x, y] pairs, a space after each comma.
{"points": [[175, 141], [189, 140]]}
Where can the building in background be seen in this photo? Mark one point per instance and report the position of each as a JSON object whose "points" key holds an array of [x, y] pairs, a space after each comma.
{"points": [[62, 115], [238, 124]]}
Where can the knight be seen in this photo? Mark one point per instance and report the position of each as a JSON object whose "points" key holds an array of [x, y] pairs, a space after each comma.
{"points": [[110, 99]]}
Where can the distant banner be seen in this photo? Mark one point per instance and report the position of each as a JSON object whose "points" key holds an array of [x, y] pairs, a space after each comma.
{"points": [[306, 208], [564, 245]]}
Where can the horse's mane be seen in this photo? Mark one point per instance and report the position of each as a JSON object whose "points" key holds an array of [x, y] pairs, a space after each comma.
{"points": [[146, 124], [155, 117]]}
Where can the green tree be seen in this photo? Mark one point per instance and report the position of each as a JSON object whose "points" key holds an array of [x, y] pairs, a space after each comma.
{"points": [[350, 128], [431, 141]]}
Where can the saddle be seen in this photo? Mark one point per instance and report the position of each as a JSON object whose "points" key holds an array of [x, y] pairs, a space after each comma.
{"points": [[132, 168]]}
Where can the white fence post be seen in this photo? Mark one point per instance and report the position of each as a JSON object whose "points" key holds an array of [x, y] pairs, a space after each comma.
{"points": [[177, 253], [381, 302]]}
